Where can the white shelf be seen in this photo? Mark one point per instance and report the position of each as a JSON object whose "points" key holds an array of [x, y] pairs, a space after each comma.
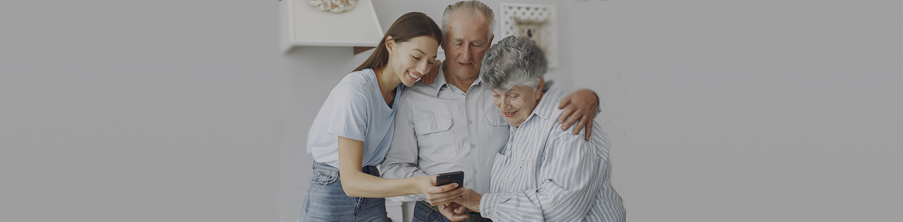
{"points": [[305, 25]]}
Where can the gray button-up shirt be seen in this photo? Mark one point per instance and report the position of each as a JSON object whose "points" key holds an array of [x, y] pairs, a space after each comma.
{"points": [[439, 128]]}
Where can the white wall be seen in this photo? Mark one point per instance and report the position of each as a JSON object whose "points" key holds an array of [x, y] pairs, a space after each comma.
{"points": [[139, 110], [749, 110]]}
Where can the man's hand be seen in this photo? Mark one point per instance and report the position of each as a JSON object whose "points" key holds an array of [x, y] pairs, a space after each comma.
{"points": [[453, 211], [431, 75], [579, 106]]}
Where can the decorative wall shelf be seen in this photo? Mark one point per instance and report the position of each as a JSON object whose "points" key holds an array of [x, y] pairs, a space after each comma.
{"points": [[302, 24], [537, 22]]}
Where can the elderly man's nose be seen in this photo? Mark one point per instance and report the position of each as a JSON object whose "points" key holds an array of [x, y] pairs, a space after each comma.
{"points": [[467, 54]]}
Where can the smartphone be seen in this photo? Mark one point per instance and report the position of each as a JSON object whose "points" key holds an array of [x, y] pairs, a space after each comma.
{"points": [[451, 177]]}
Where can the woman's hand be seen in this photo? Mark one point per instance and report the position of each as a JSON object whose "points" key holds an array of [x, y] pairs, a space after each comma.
{"points": [[438, 195]]}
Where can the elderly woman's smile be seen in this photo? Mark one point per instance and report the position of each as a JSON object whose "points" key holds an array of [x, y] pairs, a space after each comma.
{"points": [[543, 173], [517, 103], [514, 71]]}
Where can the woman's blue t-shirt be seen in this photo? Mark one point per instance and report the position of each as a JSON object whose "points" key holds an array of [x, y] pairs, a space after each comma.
{"points": [[355, 109]]}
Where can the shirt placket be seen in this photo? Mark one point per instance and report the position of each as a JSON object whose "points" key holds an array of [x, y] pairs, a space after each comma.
{"points": [[471, 114]]}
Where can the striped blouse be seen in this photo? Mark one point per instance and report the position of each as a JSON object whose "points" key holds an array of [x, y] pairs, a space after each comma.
{"points": [[546, 174]]}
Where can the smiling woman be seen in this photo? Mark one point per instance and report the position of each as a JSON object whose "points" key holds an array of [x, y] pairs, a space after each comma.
{"points": [[542, 173], [353, 129], [514, 70]]}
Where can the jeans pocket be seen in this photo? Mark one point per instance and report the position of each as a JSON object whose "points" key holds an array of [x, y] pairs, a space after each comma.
{"points": [[324, 176], [422, 213]]}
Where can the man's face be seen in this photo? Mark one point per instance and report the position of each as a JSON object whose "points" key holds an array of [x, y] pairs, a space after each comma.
{"points": [[465, 44]]}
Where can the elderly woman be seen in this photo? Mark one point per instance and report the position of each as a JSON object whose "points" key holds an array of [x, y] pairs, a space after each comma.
{"points": [[543, 173]]}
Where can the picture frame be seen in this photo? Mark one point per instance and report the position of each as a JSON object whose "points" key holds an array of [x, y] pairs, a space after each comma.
{"points": [[537, 22]]}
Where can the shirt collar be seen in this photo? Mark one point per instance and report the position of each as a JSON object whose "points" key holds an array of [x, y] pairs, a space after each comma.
{"points": [[548, 104], [440, 81]]}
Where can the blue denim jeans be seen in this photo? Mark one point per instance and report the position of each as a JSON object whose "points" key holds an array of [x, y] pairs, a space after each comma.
{"points": [[424, 213], [326, 201]]}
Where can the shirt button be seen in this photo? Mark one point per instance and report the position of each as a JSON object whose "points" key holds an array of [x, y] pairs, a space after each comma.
{"points": [[472, 146], [474, 171], [469, 122], [434, 128]]}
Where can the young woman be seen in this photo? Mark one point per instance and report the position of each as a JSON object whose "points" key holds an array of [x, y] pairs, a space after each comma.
{"points": [[352, 132]]}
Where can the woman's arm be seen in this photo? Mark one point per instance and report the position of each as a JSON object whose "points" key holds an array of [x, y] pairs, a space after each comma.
{"points": [[359, 184]]}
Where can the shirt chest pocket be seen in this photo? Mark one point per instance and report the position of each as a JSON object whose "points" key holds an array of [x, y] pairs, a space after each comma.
{"points": [[494, 118], [435, 138]]}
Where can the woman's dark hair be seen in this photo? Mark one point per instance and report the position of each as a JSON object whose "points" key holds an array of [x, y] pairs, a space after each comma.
{"points": [[410, 25]]}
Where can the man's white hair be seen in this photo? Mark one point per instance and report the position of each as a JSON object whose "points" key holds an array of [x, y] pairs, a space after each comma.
{"points": [[472, 6]]}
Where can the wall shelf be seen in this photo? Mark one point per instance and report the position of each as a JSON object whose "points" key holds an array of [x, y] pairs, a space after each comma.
{"points": [[304, 25]]}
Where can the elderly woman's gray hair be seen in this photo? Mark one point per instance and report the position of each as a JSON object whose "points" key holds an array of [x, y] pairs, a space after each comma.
{"points": [[516, 60]]}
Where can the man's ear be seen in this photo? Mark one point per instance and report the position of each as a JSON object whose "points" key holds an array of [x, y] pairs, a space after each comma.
{"points": [[390, 44]]}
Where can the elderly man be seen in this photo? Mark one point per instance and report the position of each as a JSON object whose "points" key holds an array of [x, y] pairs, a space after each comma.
{"points": [[451, 124], [542, 174]]}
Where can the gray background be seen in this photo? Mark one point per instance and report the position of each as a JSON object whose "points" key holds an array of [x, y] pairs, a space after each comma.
{"points": [[188, 110]]}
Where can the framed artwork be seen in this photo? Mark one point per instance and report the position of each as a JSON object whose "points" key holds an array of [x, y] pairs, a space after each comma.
{"points": [[537, 22]]}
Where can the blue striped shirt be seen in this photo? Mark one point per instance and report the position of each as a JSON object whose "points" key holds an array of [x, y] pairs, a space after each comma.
{"points": [[546, 174]]}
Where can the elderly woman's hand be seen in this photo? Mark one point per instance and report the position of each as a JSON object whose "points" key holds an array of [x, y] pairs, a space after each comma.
{"points": [[470, 199], [454, 211], [580, 105]]}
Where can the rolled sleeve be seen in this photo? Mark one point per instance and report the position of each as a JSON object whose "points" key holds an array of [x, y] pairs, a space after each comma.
{"points": [[509, 207]]}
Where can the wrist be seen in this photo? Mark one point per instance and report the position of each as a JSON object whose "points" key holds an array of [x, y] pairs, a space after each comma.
{"points": [[423, 183], [474, 202]]}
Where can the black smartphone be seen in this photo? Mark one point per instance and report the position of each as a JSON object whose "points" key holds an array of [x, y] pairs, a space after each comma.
{"points": [[451, 177]]}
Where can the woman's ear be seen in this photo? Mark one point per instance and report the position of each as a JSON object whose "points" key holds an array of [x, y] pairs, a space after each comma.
{"points": [[390, 44], [542, 81]]}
